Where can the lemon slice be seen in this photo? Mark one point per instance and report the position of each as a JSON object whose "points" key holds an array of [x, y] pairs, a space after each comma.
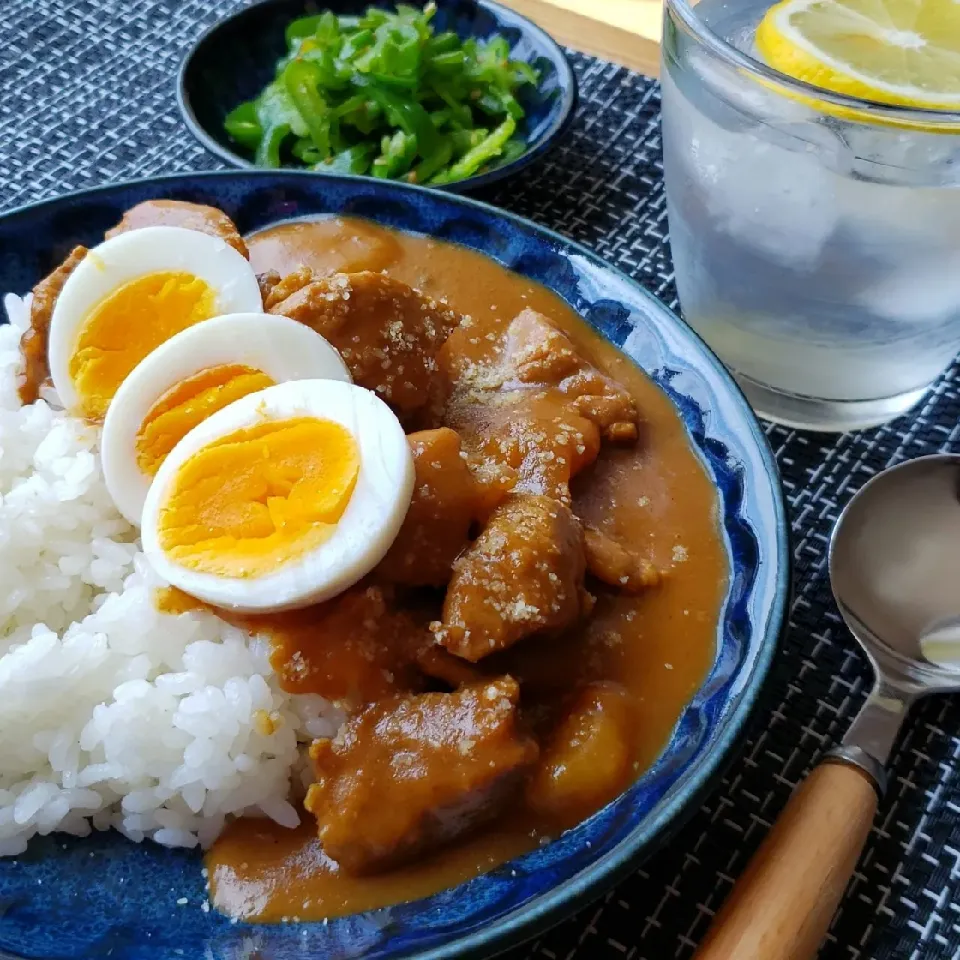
{"points": [[900, 52]]}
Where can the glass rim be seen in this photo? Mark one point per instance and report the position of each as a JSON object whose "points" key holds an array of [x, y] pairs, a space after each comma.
{"points": [[861, 110]]}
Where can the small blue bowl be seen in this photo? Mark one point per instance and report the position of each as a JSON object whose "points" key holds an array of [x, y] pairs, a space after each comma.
{"points": [[103, 896], [236, 58]]}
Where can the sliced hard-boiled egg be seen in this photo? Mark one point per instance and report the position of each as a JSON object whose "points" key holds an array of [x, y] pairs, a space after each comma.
{"points": [[129, 295], [195, 373], [283, 499]]}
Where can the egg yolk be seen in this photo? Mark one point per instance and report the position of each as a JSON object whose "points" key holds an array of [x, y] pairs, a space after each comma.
{"points": [[190, 402], [127, 325], [259, 498]]}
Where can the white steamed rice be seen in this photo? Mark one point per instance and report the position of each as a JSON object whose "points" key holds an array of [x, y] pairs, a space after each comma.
{"points": [[113, 714]]}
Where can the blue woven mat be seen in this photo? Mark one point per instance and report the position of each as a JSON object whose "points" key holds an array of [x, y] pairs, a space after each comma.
{"points": [[88, 97]]}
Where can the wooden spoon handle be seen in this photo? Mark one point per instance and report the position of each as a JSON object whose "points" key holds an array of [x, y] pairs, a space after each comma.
{"points": [[781, 907]]}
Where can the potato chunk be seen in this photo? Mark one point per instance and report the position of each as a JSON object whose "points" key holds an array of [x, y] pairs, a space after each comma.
{"points": [[588, 759]]}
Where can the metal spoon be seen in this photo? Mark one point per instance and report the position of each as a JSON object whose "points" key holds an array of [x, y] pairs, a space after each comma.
{"points": [[895, 573]]}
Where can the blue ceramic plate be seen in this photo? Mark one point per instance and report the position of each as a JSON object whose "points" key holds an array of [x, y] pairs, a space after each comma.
{"points": [[104, 897], [235, 59]]}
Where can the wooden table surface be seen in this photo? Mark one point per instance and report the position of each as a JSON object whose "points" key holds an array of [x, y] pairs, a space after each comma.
{"points": [[623, 31]]}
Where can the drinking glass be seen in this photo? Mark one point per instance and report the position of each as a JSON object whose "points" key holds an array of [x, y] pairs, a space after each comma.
{"points": [[815, 237]]}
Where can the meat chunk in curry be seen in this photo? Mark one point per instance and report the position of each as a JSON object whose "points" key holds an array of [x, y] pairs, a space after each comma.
{"points": [[180, 213], [447, 499], [412, 772], [387, 333], [268, 281], [532, 403], [528, 436], [523, 575], [533, 355], [538, 354], [536, 409], [615, 565], [275, 289], [34, 340]]}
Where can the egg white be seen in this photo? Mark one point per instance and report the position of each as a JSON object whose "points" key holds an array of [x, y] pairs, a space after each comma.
{"points": [[139, 253], [278, 346], [365, 531]]}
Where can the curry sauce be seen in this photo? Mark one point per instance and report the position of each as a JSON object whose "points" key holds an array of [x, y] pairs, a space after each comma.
{"points": [[632, 664]]}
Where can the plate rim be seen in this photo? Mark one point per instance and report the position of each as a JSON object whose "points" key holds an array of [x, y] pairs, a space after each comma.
{"points": [[566, 80], [676, 806]]}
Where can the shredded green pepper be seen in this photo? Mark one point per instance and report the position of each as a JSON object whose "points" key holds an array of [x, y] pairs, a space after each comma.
{"points": [[268, 151], [412, 119], [426, 169], [396, 155], [278, 118], [486, 150], [385, 94], [352, 160], [302, 81], [242, 124]]}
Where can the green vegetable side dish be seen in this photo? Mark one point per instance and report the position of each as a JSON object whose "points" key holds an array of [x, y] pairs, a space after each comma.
{"points": [[385, 95]]}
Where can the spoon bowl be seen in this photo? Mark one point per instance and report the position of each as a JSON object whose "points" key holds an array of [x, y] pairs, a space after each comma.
{"points": [[895, 570]]}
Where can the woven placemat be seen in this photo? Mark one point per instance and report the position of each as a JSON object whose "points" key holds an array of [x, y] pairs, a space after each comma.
{"points": [[88, 98]]}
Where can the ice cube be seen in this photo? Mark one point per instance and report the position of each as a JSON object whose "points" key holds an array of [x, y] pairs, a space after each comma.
{"points": [[770, 188], [884, 220], [920, 291], [739, 95], [910, 158]]}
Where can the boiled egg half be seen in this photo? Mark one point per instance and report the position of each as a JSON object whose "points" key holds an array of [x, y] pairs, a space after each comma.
{"points": [[194, 374], [129, 295], [282, 499]]}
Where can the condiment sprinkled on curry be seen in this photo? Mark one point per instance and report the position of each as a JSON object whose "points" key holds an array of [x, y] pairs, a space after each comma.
{"points": [[481, 553]]}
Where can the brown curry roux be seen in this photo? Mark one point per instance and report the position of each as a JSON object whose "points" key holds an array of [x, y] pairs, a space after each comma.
{"points": [[629, 668]]}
